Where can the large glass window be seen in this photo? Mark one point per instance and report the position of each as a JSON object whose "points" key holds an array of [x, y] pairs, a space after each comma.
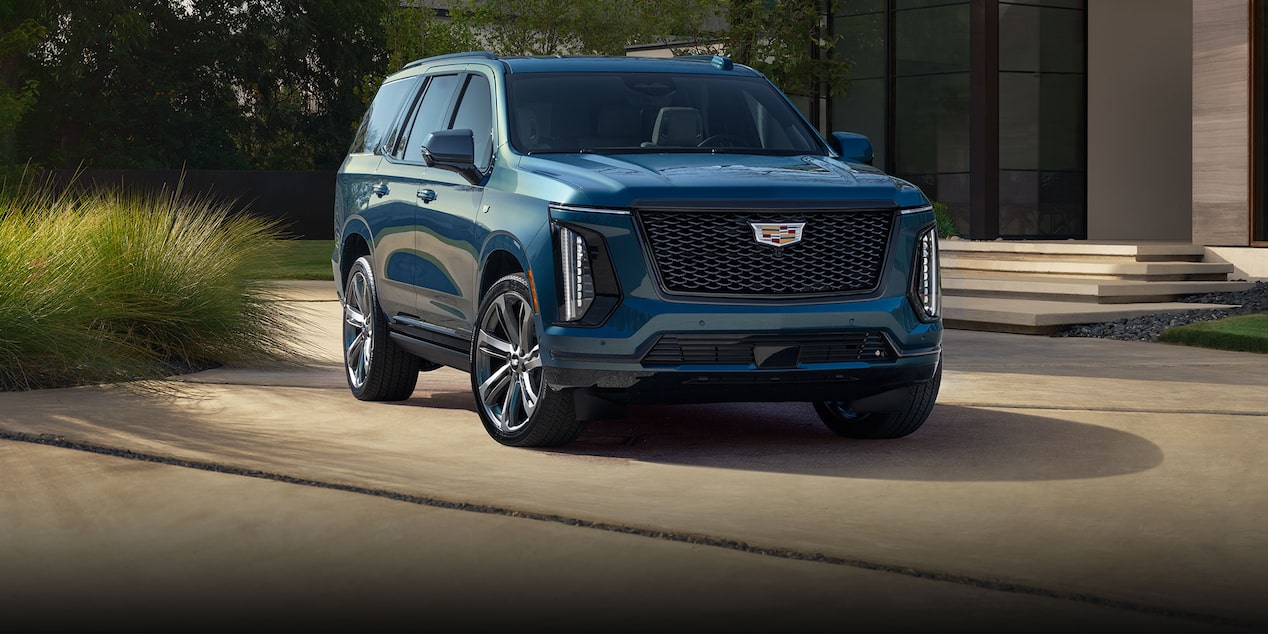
{"points": [[931, 100], [864, 29], [931, 40], [909, 90], [1042, 120], [931, 114], [912, 84]]}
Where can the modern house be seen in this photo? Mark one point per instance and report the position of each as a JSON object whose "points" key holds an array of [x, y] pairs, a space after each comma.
{"points": [[1132, 131]]}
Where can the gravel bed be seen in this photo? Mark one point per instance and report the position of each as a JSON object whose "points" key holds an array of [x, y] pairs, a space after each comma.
{"points": [[1148, 327]]}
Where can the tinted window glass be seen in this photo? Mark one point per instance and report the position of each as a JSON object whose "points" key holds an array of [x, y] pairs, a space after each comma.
{"points": [[935, 40], [646, 112], [932, 124], [863, 111], [381, 115], [429, 115], [475, 113]]}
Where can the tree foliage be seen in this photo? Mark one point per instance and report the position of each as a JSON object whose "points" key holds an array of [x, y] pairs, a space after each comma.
{"points": [[266, 84], [785, 39], [131, 83], [20, 31], [302, 107], [281, 84], [580, 27]]}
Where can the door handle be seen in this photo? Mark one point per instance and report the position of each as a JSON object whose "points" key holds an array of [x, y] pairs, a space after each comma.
{"points": [[380, 190], [427, 195]]}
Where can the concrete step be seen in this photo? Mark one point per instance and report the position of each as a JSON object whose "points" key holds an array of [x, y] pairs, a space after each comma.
{"points": [[1039, 286], [1064, 249], [1086, 268], [1077, 289], [1045, 317]]}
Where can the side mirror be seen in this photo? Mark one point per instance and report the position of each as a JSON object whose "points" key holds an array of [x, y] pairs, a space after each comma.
{"points": [[452, 150], [852, 147]]}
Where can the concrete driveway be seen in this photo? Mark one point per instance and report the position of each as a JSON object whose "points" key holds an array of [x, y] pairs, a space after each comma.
{"points": [[1059, 485]]}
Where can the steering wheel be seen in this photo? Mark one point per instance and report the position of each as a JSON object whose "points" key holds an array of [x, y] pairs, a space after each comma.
{"points": [[722, 140]]}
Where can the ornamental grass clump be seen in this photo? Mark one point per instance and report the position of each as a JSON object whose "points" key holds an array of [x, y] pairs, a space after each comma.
{"points": [[112, 286]]}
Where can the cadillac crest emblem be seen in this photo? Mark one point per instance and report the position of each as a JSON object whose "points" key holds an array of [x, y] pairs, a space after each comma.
{"points": [[777, 234]]}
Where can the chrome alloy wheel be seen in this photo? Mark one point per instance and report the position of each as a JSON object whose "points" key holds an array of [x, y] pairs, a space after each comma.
{"points": [[508, 363], [358, 328]]}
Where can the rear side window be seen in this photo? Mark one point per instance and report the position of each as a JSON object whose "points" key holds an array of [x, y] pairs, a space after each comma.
{"points": [[383, 111]]}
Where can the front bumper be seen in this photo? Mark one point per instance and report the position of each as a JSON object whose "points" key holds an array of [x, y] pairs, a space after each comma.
{"points": [[701, 385]]}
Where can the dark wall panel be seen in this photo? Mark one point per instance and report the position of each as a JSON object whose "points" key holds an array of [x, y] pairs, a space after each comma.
{"points": [[302, 201]]}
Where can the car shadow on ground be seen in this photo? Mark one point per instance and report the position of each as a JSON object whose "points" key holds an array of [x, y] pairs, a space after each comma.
{"points": [[957, 444], [440, 400]]}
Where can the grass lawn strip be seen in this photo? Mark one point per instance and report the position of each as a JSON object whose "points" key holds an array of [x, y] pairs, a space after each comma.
{"points": [[1244, 333], [300, 260]]}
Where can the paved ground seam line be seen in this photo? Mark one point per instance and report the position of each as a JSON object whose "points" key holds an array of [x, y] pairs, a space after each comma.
{"points": [[1116, 410], [668, 535]]}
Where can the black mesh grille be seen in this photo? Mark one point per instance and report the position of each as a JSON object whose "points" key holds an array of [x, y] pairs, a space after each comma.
{"points": [[715, 253], [738, 349]]}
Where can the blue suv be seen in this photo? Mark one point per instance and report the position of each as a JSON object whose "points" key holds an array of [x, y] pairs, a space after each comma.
{"points": [[583, 233]]}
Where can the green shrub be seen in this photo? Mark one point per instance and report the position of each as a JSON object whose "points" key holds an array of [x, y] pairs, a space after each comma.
{"points": [[946, 224], [109, 286]]}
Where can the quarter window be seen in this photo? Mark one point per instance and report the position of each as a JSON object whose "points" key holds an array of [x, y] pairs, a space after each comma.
{"points": [[381, 115]]}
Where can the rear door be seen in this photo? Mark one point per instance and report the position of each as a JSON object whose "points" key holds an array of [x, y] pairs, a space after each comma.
{"points": [[359, 180]]}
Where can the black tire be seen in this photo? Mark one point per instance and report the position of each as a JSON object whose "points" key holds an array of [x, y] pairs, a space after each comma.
{"points": [[376, 368], [515, 403], [844, 421]]}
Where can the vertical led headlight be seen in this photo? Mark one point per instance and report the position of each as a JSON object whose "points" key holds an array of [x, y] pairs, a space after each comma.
{"points": [[585, 280], [926, 287], [575, 272]]}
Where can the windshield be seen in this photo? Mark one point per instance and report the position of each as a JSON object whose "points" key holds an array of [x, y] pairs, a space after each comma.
{"points": [[653, 112]]}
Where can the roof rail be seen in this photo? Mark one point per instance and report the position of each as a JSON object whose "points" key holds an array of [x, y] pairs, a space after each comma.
{"points": [[480, 54]]}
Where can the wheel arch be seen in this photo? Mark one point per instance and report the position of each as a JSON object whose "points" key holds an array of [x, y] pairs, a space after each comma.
{"points": [[503, 255], [354, 244]]}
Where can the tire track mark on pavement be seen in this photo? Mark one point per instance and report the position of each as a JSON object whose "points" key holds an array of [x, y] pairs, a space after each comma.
{"points": [[667, 535]]}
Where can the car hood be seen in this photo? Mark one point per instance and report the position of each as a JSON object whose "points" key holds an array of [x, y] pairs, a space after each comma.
{"points": [[685, 180]]}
